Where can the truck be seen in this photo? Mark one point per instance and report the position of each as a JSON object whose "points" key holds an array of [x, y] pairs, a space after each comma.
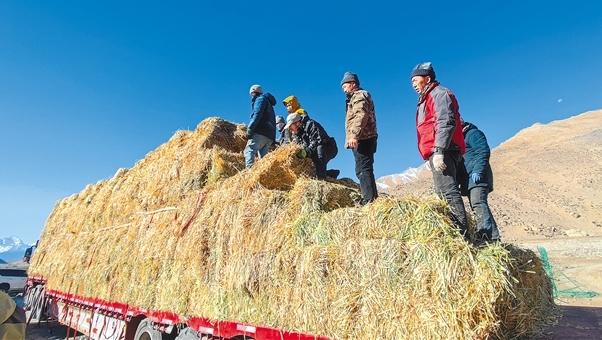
{"points": [[190, 245]]}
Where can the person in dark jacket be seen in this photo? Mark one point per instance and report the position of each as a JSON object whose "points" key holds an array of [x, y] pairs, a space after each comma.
{"points": [[317, 144], [284, 133], [477, 182], [440, 139], [261, 131]]}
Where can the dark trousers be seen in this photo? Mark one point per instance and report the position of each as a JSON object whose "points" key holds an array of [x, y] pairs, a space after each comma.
{"points": [[446, 187], [364, 168], [324, 153], [486, 227]]}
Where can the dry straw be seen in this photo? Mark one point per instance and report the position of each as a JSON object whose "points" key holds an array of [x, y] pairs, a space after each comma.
{"points": [[187, 230]]}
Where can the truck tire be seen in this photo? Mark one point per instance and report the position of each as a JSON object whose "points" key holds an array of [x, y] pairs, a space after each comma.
{"points": [[145, 331]]}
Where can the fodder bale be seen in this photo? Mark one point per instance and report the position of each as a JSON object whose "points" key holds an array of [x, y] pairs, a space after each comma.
{"points": [[187, 230]]}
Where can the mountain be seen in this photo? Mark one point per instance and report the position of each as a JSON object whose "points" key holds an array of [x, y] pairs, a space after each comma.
{"points": [[12, 248], [548, 180], [389, 182]]}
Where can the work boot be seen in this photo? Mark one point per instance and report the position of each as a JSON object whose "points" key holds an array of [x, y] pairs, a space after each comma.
{"points": [[334, 173]]}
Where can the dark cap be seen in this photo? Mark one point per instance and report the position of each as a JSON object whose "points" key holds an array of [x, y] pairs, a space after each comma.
{"points": [[350, 77], [424, 70]]}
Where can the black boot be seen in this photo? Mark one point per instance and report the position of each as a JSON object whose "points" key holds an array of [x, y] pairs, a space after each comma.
{"points": [[334, 173]]}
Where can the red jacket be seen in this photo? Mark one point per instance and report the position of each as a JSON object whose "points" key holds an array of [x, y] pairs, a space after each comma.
{"points": [[438, 122]]}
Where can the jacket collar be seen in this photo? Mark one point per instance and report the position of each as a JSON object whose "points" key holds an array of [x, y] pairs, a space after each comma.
{"points": [[427, 89]]}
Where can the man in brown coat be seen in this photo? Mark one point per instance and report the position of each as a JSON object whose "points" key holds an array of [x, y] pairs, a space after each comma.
{"points": [[361, 135]]}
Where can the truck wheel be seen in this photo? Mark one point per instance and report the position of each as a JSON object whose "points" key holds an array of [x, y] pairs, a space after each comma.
{"points": [[145, 331]]}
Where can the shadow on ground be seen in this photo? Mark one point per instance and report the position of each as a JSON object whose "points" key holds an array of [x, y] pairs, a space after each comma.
{"points": [[577, 323]]}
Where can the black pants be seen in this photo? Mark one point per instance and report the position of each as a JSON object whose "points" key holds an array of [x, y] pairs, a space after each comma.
{"points": [[487, 229], [364, 168], [324, 153], [446, 187]]}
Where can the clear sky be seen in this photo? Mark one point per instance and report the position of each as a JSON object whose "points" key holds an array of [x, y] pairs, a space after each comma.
{"points": [[88, 87]]}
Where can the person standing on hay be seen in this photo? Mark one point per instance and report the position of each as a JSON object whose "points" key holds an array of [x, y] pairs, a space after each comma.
{"points": [[261, 131], [361, 135], [292, 105], [440, 139], [317, 144], [476, 182]]}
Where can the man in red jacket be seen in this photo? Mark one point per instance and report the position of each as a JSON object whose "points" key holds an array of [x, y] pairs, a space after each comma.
{"points": [[440, 139]]}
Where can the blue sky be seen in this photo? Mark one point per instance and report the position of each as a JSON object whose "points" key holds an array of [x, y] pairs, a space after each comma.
{"points": [[87, 87]]}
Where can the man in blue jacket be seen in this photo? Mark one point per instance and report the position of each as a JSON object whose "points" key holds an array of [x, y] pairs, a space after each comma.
{"points": [[261, 131], [477, 182]]}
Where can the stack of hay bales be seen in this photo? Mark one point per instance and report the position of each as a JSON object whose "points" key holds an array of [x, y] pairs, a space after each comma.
{"points": [[187, 230]]}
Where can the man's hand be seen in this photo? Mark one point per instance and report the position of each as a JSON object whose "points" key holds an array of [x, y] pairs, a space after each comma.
{"points": [[477, 177], [351, 144], [249, 134], [438, 163]]}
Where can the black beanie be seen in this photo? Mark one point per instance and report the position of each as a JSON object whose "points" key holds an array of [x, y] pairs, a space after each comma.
{"points": [[423, 69]]}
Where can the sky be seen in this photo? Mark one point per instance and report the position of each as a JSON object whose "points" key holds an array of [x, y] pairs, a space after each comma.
{"points": [[88, 87]]}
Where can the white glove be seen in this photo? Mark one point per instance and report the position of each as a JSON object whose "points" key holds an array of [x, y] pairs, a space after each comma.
{"points": [[427, 165], [438, 163]]}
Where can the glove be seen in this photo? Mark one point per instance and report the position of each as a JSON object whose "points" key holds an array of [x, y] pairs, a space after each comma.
{"points": [[249, 134], [438, 163], [302, 154], [427, 165], [477, 177]]}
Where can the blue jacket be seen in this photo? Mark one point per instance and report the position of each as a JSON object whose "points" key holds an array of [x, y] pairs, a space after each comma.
{"points": [[263, 118], [476, 158]]}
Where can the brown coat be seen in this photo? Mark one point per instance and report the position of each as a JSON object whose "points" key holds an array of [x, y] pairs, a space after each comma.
{"points": [[360, 122]]}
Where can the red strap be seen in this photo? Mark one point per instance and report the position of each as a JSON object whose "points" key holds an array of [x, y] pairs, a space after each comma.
{"points": [[197, 208]]}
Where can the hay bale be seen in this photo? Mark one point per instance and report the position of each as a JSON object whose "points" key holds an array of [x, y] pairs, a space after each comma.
{"points": [[186, 230]]}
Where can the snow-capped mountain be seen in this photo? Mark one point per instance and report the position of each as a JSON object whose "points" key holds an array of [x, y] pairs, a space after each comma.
{"points": [[389, 182], [12, 248]]}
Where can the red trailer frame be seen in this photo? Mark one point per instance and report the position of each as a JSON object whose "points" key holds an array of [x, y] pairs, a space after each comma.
{"points": [[107, 320]]}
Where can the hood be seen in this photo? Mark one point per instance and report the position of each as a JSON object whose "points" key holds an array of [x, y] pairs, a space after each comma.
{"points": [[466, 126], [294, 102], [270, 98]]}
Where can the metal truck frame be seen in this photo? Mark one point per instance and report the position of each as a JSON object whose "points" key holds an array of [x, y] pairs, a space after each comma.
{"points": [[106, 320]]}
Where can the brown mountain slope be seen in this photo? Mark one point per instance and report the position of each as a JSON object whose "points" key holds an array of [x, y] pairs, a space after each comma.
{"points": [[548, 179]]}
